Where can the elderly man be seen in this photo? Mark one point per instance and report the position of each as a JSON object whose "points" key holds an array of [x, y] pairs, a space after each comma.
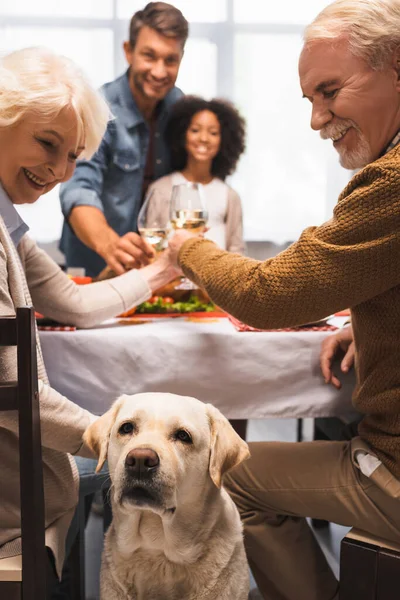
{"points": [[350, 73], [102, 201]]}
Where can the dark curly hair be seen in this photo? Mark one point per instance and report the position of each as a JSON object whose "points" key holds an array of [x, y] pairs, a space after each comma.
{"points": [[233, 132]]}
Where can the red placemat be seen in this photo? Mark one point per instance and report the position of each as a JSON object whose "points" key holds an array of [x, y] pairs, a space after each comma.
{"points": [[201, 315], [137, 317], [239, 326], [56, 327]]}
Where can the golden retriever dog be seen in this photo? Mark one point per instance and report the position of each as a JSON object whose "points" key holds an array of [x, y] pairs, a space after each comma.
{"points": [[175, 534]]}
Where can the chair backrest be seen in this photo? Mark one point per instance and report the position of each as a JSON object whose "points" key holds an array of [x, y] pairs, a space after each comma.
{"points": [[23, 396]]}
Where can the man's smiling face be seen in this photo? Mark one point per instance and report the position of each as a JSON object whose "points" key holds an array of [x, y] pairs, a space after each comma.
{"points": [[352, 104], [154, 63]]}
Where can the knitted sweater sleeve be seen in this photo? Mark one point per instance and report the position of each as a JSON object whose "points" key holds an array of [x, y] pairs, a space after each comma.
{"points": [[350, 259]]}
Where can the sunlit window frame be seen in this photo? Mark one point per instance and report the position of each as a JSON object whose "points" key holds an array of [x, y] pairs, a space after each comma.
{"points": [[222, 34]]}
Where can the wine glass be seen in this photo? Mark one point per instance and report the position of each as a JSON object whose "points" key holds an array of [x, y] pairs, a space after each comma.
{"points": [[153, 220], [188, 211]]}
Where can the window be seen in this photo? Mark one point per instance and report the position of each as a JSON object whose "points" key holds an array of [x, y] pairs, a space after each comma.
{"points": [[282, 178], [203, 82], [90, 9], [286, 12], [289, 178], [92, 49], [195, 11], [245, 50]]}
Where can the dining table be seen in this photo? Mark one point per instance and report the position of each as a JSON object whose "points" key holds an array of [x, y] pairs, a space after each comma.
{"points": [[246, 374]]}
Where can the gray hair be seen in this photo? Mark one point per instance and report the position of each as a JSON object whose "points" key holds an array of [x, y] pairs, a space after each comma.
{"points": [[372, 28], [35, 80]]}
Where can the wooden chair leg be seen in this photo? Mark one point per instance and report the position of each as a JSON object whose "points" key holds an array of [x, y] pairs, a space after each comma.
{"points": [[12, 590], [358, 571], [77, 559], [75, 563], [34, 554], [388, 576]]}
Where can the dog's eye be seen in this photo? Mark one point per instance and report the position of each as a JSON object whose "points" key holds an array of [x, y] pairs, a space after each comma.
{"points": [[126, 428], [183, 436]]}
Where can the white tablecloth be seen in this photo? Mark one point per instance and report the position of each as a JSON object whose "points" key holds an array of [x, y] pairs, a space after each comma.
{"points": [[246, 375]]}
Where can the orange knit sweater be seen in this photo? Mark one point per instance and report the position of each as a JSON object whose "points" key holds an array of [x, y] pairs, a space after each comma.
{"points": [[351, 260]]}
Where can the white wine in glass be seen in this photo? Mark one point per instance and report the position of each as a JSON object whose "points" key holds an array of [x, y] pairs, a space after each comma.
{"points": [[188, 211], [153, 220], [155, 237], [193, 220]]}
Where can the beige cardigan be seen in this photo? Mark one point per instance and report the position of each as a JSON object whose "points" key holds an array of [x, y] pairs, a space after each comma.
{"points": [[33, 276], [233, 219]]}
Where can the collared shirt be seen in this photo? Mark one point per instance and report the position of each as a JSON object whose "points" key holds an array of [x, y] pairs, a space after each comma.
{"points": [[16, 226], [393, 143], [113, 179]]}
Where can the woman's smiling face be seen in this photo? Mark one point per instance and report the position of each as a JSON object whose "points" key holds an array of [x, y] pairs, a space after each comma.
{"points": [[36, 155], [203, 137]]}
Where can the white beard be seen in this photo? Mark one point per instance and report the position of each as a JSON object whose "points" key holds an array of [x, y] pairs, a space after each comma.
{"points": [[349, 159], [357, 158]]}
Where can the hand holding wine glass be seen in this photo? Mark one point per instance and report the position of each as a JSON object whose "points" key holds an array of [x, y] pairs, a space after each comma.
{"points": [[135, 251], [153, 220], [188, 213], [176, 242], [188, 209]]}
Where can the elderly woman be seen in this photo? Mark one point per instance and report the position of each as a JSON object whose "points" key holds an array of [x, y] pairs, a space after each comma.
{"points": [[49, 116], [350, 73]]}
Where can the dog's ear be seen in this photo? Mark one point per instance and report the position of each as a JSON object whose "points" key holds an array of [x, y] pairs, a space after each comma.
{"points": [[97, 435], [227, 447]]}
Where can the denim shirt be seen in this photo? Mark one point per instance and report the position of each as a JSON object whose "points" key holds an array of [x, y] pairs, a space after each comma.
{"points": [[112, 179]]}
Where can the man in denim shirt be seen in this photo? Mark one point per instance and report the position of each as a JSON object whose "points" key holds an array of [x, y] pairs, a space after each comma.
{"points": [[102, 200]]}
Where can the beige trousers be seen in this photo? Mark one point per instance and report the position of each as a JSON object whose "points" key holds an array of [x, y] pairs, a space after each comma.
{"points": [[284, 482]]}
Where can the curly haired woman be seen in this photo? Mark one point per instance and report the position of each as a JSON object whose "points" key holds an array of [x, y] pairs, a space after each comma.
{"points": [[206, 139]]}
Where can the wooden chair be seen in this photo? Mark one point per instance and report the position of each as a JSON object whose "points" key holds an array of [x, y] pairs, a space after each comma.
{"points": [[369, 568], [24, 577]]}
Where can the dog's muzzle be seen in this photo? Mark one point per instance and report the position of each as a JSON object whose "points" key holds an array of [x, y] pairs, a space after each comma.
{"points": [[141, 487], [142, 463]]}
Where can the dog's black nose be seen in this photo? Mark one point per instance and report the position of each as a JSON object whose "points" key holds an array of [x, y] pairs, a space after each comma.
{"points": [[142, 462]]}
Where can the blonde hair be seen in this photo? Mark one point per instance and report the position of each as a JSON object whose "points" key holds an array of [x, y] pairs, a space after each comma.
{"points": [[39, 82], [372, 28]]}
